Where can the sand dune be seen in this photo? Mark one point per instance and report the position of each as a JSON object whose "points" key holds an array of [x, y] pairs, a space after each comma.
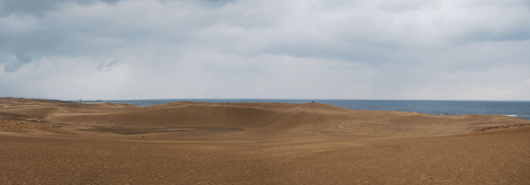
{"points": [[289, 119], [249, 143], [23, 123]]}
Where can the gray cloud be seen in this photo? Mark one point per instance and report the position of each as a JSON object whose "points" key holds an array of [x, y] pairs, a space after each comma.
{"points": [[106, 66], [13, 62], [40, 7], [267, 49], [212, 3]]}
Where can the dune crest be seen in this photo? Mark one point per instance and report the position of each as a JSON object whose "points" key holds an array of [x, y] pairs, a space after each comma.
{"points": [[279, 120], [56, 142]]}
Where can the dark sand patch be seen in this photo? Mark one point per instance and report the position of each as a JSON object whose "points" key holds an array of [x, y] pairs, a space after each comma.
{"points": [[147, 130]]}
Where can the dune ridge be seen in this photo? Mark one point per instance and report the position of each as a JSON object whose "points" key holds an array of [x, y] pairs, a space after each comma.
{"points": [[259, 119], [55, 142], [289, 119]]}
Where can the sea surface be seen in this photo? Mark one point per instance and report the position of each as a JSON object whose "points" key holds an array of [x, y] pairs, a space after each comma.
{"points": [[520, 109]]}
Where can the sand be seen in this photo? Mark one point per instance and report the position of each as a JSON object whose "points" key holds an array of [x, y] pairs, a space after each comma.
{"points": [[53, 142]]}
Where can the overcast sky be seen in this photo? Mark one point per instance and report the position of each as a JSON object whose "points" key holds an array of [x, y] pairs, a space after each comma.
{"points": [[305, 49]]}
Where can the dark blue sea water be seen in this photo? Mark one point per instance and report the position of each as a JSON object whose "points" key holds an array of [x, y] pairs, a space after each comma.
{"points": [[520, 109]]}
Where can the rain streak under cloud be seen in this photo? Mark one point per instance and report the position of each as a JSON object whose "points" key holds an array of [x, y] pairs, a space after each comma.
{"points": [[146, 49]]}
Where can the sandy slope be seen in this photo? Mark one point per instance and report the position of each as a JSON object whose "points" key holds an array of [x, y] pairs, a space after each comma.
{"points": [[53, 142]]}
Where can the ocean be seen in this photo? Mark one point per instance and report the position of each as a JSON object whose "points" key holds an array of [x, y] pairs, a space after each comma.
{"points": [[520, 109]]}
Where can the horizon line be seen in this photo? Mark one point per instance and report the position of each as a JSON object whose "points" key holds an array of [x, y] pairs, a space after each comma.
{"points": [[299, 99]]}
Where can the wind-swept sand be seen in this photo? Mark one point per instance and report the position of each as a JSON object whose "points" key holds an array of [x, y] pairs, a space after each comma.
{"points": [[52, 142]]}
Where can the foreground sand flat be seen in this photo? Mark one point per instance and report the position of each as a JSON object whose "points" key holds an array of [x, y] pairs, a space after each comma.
{"points": [[50, 142]]}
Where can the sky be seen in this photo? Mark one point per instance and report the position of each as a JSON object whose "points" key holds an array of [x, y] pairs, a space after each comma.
{"points": [[274, 49]]}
